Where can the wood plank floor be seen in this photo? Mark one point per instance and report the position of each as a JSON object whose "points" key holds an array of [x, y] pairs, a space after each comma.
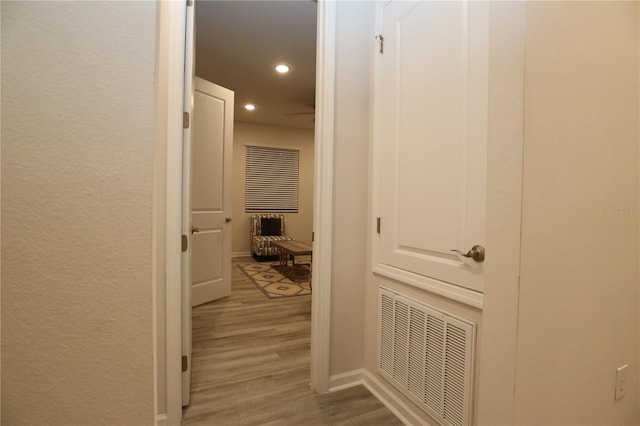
{"points": [[251, 366]]}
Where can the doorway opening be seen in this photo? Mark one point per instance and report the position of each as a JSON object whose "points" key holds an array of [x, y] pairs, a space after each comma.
{"points": [[173, 19], [243, 46]]}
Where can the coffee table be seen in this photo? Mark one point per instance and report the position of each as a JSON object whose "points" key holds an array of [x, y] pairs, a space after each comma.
{"points": [[293, 248]]}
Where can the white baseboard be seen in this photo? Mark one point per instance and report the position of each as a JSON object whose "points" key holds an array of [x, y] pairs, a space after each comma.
{"points": [[403, 411], [241, 254], [346, 380], [161, 420]]}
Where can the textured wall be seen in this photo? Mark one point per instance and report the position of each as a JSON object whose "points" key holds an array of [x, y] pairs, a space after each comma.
{"points": [[298, 225], [579, 272], [160, 203], [77, 150]]}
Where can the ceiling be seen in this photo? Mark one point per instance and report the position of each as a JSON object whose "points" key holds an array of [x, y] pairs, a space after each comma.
{"points": [[239, 42]]}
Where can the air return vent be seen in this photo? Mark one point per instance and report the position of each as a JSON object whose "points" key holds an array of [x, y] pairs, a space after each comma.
{"points": [[428, 355]]}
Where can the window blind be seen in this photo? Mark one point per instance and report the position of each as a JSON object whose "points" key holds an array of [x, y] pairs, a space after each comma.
{"points": [[271, 179]]}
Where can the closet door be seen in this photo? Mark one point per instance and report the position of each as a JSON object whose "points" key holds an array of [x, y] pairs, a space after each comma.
{"points": [[431, 136]]}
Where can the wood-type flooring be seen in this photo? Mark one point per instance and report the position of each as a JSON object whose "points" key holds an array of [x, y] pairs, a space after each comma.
{"points": [[251, 366]]}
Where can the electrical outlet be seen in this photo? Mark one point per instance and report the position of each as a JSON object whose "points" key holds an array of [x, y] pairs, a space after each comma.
{"points": [[621, 381]]}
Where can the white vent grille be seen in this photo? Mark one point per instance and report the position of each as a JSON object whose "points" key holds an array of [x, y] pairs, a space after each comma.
{"points": [[428, 355]]}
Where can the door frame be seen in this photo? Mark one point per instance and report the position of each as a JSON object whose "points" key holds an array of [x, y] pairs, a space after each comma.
{"points": [[170, 86], [188, 93], [171, 34], [323, 194]]}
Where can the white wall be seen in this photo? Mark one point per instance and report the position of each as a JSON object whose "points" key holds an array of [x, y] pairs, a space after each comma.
{"points": [[579, 273], [77, 157], [0, 218], [298, 225], [160, 203]]}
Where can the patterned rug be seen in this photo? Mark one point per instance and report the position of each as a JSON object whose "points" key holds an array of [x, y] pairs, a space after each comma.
{"points": [[276, 282]]}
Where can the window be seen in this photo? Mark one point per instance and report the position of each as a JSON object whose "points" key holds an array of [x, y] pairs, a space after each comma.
{"points": [[271, 179]]}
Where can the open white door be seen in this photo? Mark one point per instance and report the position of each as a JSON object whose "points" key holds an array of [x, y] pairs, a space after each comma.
{"points": [[211, 157], [207, 201]]}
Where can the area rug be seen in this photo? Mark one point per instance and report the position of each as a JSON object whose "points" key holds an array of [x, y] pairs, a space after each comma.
{"points": [[276, 282]]}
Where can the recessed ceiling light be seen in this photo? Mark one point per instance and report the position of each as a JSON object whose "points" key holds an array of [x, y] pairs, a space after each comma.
{"points": [[249, 107], [282, 68]]}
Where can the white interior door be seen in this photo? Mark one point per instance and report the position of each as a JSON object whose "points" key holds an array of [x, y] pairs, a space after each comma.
{"points": [[207, 152], [432, 83], [211, 157]]}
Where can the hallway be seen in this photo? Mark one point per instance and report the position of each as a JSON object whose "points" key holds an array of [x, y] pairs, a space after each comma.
{"points": [[251, 365]]}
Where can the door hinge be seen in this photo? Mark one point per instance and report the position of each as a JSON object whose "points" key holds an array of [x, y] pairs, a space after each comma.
{"points": [[313, 236], [185, 364], [189, 3], [380, 43], [378, 225], [185, 120], [185, 243]]}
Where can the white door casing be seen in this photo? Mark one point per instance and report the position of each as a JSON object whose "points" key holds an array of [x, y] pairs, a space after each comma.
{"points": [[323, 183], [185, 261], [430, 135]]}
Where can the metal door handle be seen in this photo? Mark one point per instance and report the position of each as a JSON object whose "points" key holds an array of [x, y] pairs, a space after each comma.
{"points": [[228, 220], [194, 230], [476, 253]]}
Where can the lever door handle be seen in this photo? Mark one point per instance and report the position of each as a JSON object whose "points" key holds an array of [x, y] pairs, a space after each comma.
{"points": [[228, 220], [194, 230], [476, 253]]}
